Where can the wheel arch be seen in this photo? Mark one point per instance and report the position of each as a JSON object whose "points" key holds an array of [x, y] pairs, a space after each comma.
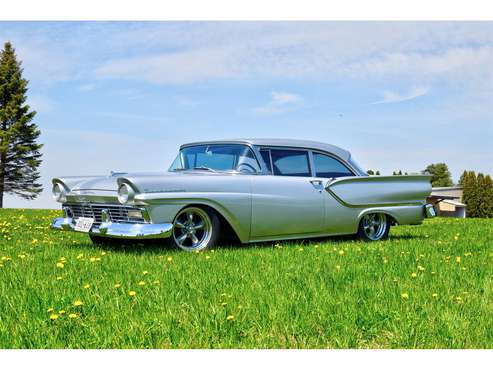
{"points": [[394, 219], [228, 223]]}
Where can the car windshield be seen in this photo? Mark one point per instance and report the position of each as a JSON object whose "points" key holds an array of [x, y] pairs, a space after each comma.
{"points": [[216, 157]]}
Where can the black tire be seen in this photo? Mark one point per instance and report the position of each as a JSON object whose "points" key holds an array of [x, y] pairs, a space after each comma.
{"points": [[374, 227], [187, 234]]}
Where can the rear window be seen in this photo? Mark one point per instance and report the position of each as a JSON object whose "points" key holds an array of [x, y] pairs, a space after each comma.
{"points": [[327, 166], [290, 162]]}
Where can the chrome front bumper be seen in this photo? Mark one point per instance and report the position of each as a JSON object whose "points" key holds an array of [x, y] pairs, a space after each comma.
{"points": [[119, 230]]}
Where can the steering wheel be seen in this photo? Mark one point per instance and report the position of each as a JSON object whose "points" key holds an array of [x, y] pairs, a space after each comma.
{"points": [[249, 168]]}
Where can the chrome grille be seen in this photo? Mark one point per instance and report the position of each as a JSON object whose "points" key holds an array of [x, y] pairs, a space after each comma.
{"points": [[117, 213]]}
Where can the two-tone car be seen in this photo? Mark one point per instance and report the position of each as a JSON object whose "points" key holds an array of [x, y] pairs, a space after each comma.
{"points": [[252, 189]]}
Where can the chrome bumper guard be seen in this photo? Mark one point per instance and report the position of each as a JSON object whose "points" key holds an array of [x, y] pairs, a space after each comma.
{"points": [[119, 230], [429, 211]]}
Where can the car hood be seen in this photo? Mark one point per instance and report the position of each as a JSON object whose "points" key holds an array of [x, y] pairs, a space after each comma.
{"points": [[109, 184]]}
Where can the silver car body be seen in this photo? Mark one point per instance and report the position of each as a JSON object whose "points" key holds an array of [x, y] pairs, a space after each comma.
{"points": [[258, 207]]}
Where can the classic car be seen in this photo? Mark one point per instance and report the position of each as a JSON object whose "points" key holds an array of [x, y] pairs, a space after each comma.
{"points": [[251, 189]]}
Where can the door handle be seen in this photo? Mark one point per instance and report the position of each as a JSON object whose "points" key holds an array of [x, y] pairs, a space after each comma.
{"points": [[316, 182]]}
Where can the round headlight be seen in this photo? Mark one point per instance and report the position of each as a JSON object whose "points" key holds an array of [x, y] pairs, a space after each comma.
{"points": [[125, 193], [59, 192]]}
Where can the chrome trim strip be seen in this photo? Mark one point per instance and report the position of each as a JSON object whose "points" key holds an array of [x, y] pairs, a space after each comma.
{"points": [[119, 230]]}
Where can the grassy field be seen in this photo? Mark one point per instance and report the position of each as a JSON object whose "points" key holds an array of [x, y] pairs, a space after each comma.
{"points": [[428, 286]]}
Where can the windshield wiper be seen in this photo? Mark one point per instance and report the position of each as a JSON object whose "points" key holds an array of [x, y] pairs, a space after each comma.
{"points": [[204, 168]]}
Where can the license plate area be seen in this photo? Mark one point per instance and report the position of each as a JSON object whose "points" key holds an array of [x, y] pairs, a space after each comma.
{"points": [[84, 224]]}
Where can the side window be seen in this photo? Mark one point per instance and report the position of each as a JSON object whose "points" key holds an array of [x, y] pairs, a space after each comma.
{"points": [[265, 153], [290, 162], [326, 166]]}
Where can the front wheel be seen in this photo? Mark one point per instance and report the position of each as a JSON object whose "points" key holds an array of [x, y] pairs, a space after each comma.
{"points": [[374, 226], [196, 229]]}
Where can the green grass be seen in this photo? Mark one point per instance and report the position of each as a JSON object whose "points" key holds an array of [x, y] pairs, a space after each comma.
{"points": [[331, 293]]}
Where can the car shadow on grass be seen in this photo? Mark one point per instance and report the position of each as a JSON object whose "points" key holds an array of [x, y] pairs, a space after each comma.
{"points": [[160, 246]]}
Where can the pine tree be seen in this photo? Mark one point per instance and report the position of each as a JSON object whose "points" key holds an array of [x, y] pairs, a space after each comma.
{"points": [[488, 196], [377, 173], [20, 155], [479, 194], [370, 172], [462, 178]]}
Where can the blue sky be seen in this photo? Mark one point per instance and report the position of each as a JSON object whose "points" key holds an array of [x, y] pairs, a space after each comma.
{"points": [[125, 95]]}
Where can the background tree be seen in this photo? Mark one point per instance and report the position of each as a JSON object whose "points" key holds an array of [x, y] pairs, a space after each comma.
{"points": [[440, 175], [20, 155], [377, 173], [370, 172]]}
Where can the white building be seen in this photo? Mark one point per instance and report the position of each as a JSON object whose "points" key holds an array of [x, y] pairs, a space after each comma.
{"points": [[447, 201]]}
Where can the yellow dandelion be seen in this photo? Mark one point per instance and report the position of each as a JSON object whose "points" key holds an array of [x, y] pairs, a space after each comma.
{"points": [[92, 259], [98, 259], [434, 295], [79, 256], [169, 259], [132, 293], [73, 316], [59, 277], [207, 257], [413, 274], [50, 310], [457, 259], [60, 265], [103, 253], [467, 254], [87, 286], [141, 283], [145, 272], [230, 317], [421, 268], [53, 317], [458, 299], [61, 312], [156, 282], [404, 295], [118, 285], [341, 252], [78, 303], [338, 267]]}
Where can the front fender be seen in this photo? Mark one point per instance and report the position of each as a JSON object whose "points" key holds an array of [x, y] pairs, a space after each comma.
{"points": [[234, 207]]}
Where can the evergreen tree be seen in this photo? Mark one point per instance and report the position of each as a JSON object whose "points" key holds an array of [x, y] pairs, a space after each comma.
{"points": [[20, 155], [488, 197], [469, 185], [462, 177], [377, 173], [440, 175], [370, 172]]}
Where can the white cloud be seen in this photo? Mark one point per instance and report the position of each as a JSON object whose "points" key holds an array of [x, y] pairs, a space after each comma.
{"points": [[280, 102], [41, 104], [87, 87], [395, 97]]}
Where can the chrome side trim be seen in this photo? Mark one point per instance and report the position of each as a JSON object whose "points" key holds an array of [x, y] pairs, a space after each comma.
{"points": [[119, 230]]}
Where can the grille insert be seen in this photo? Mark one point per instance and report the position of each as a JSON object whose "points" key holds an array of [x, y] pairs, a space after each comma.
{"points": [[117, 213]]}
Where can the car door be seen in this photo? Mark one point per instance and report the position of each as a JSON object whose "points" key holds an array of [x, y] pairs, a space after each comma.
{"points": [[289, 201], [338, 218]]}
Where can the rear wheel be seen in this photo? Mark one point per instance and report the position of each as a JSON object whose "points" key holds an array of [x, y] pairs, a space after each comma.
{"points": [[196, 229], [374, 226]]}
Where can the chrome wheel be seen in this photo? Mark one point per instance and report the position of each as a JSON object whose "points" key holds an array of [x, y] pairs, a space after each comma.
{"points": [[192, 229], [374, 225]]}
